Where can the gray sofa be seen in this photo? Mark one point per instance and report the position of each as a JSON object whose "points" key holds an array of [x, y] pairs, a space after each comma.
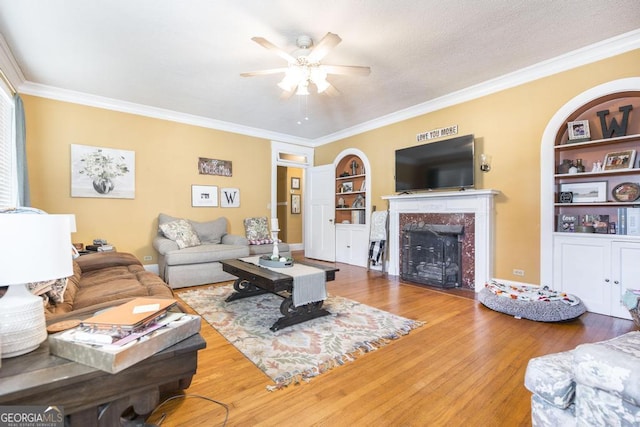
{"points": [[189, 252]]}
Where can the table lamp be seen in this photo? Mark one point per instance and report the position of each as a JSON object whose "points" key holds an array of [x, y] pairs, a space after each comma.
{"points": [[33, 248]]}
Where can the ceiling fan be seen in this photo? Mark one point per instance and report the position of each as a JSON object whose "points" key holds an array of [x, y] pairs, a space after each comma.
{"points": [[304, 67]]}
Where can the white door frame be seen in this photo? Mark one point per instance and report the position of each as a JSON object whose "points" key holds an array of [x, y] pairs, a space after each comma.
{"points": [[305, 161]]}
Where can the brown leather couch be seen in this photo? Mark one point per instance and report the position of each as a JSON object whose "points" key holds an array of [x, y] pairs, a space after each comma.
{"points": [[102, 280]]}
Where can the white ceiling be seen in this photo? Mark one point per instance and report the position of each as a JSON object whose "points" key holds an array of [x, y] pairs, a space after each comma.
{"points": [[184, 58]]}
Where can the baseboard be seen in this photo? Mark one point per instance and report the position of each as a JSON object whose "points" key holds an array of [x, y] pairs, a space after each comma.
{"points": [[514, 283], [152, 268], [296, 246]]}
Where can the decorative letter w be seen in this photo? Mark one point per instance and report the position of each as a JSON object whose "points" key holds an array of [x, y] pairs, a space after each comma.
{"points": [[615, 129]]}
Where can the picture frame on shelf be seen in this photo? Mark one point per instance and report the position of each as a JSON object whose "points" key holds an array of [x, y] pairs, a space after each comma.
{"points": [[347, 187], [624, 159], [586, 192], [295, 183], [578, 131], [204, 196], [295, 203], [626, 192]]}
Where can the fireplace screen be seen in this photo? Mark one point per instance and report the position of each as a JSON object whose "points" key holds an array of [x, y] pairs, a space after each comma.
{"points": [[431, 254]]}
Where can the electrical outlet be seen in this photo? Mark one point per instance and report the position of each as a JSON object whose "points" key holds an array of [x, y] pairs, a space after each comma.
{"points": [[517, 272], [147, 258]]}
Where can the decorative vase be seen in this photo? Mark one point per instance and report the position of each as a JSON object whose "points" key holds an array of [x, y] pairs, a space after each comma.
{"points": [[564, 166], [103, 185]]}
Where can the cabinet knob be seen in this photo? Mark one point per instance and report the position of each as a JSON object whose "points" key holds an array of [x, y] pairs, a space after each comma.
{"points": [[606, 280], [331, 220], [616, 282]]}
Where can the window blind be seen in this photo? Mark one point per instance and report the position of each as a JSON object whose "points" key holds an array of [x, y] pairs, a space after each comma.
{"points": [[8, 177]]}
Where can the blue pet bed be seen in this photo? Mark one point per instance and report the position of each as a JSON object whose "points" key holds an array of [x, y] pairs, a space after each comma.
{"points": [[531, 302]]}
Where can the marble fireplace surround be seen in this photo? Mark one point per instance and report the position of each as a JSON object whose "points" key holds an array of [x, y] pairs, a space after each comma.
{"points": [[472, 208]]}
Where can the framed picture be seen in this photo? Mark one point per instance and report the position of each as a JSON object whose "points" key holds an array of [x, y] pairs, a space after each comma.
{"points": [[229, 197], [295, 203], [579, 131], [347, 186], [295, 183], [619, 160], [586, 192], [204, 196], [102, 172], [214, 167]]}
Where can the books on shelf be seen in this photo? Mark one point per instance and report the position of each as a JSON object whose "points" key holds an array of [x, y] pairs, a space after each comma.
{"points": [[633, 221], [358, 217], [629, 221]]}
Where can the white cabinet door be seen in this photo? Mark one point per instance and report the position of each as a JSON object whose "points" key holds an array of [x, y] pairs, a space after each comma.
{"points": [[343, 244], [597, 270], [352, 244], [582, 265], [625, 274]]}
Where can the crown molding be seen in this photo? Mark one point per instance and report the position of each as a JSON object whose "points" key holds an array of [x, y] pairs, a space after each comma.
{"points": [[9, 66], [577, 58], [35, 89], [592, 53]]}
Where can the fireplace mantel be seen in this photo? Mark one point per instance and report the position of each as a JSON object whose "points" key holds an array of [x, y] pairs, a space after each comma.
{"points": [[478, 202]]}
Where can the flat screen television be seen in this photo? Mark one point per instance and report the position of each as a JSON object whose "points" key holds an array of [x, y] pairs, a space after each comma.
{"points": [[446, 164]]}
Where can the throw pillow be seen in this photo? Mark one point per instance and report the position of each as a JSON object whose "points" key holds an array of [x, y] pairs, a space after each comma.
{"points": [[257, 229], [57, 290], [210, 231], [181, 232]]}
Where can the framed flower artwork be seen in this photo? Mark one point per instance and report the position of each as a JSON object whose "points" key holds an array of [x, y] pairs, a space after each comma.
{"points": [[102, 172]]}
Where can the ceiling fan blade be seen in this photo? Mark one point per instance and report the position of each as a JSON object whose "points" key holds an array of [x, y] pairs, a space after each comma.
{"points": [[264, 72], [322, 48], [347, 70], [286, 94], [275, 49], [331, 91]]}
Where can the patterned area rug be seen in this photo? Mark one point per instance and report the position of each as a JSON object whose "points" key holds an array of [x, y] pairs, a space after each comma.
{"points": [[299, 352]]}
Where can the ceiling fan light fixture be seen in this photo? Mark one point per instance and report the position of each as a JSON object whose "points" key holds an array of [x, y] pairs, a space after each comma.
{"points": [[303, 88], [304, 65]]}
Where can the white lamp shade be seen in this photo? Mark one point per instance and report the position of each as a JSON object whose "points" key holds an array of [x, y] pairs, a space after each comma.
{"points": [[34, 248]]}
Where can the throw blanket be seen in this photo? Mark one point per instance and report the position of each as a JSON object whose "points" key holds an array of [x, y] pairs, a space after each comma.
{"points": [[309, 284], [630, 298], [530, 293]]}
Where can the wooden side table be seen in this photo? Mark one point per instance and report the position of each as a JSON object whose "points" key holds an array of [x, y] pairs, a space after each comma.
{"points": [[91, 397]]}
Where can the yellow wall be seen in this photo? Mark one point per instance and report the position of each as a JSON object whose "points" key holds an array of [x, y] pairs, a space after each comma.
{"points": [[166, 156], [508, 126]]}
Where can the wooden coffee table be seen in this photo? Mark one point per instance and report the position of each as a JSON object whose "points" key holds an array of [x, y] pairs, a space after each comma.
{"points": [[256, 280]]}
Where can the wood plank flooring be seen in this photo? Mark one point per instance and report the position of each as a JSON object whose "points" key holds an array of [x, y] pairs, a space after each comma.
{"points": [[464, 367]]}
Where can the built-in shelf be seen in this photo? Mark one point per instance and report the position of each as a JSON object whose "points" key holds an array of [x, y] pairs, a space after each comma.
{"points": [[599, 142]]}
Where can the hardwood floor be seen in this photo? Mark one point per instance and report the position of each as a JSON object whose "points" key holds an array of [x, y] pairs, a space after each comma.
{"points": [[464, 367]]}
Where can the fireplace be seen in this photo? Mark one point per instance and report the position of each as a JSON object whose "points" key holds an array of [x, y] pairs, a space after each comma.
{"points": [[472, 209], [432, 254]]}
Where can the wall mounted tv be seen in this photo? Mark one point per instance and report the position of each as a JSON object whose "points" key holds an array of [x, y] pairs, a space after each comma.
{"points": [[446, 164]]}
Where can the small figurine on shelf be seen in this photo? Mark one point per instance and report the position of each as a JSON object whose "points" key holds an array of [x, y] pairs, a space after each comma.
{"points": [[354, 167]]}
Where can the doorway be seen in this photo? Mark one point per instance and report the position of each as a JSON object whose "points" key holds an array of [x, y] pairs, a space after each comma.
{"points": [[290, 185], [288, 167]]}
